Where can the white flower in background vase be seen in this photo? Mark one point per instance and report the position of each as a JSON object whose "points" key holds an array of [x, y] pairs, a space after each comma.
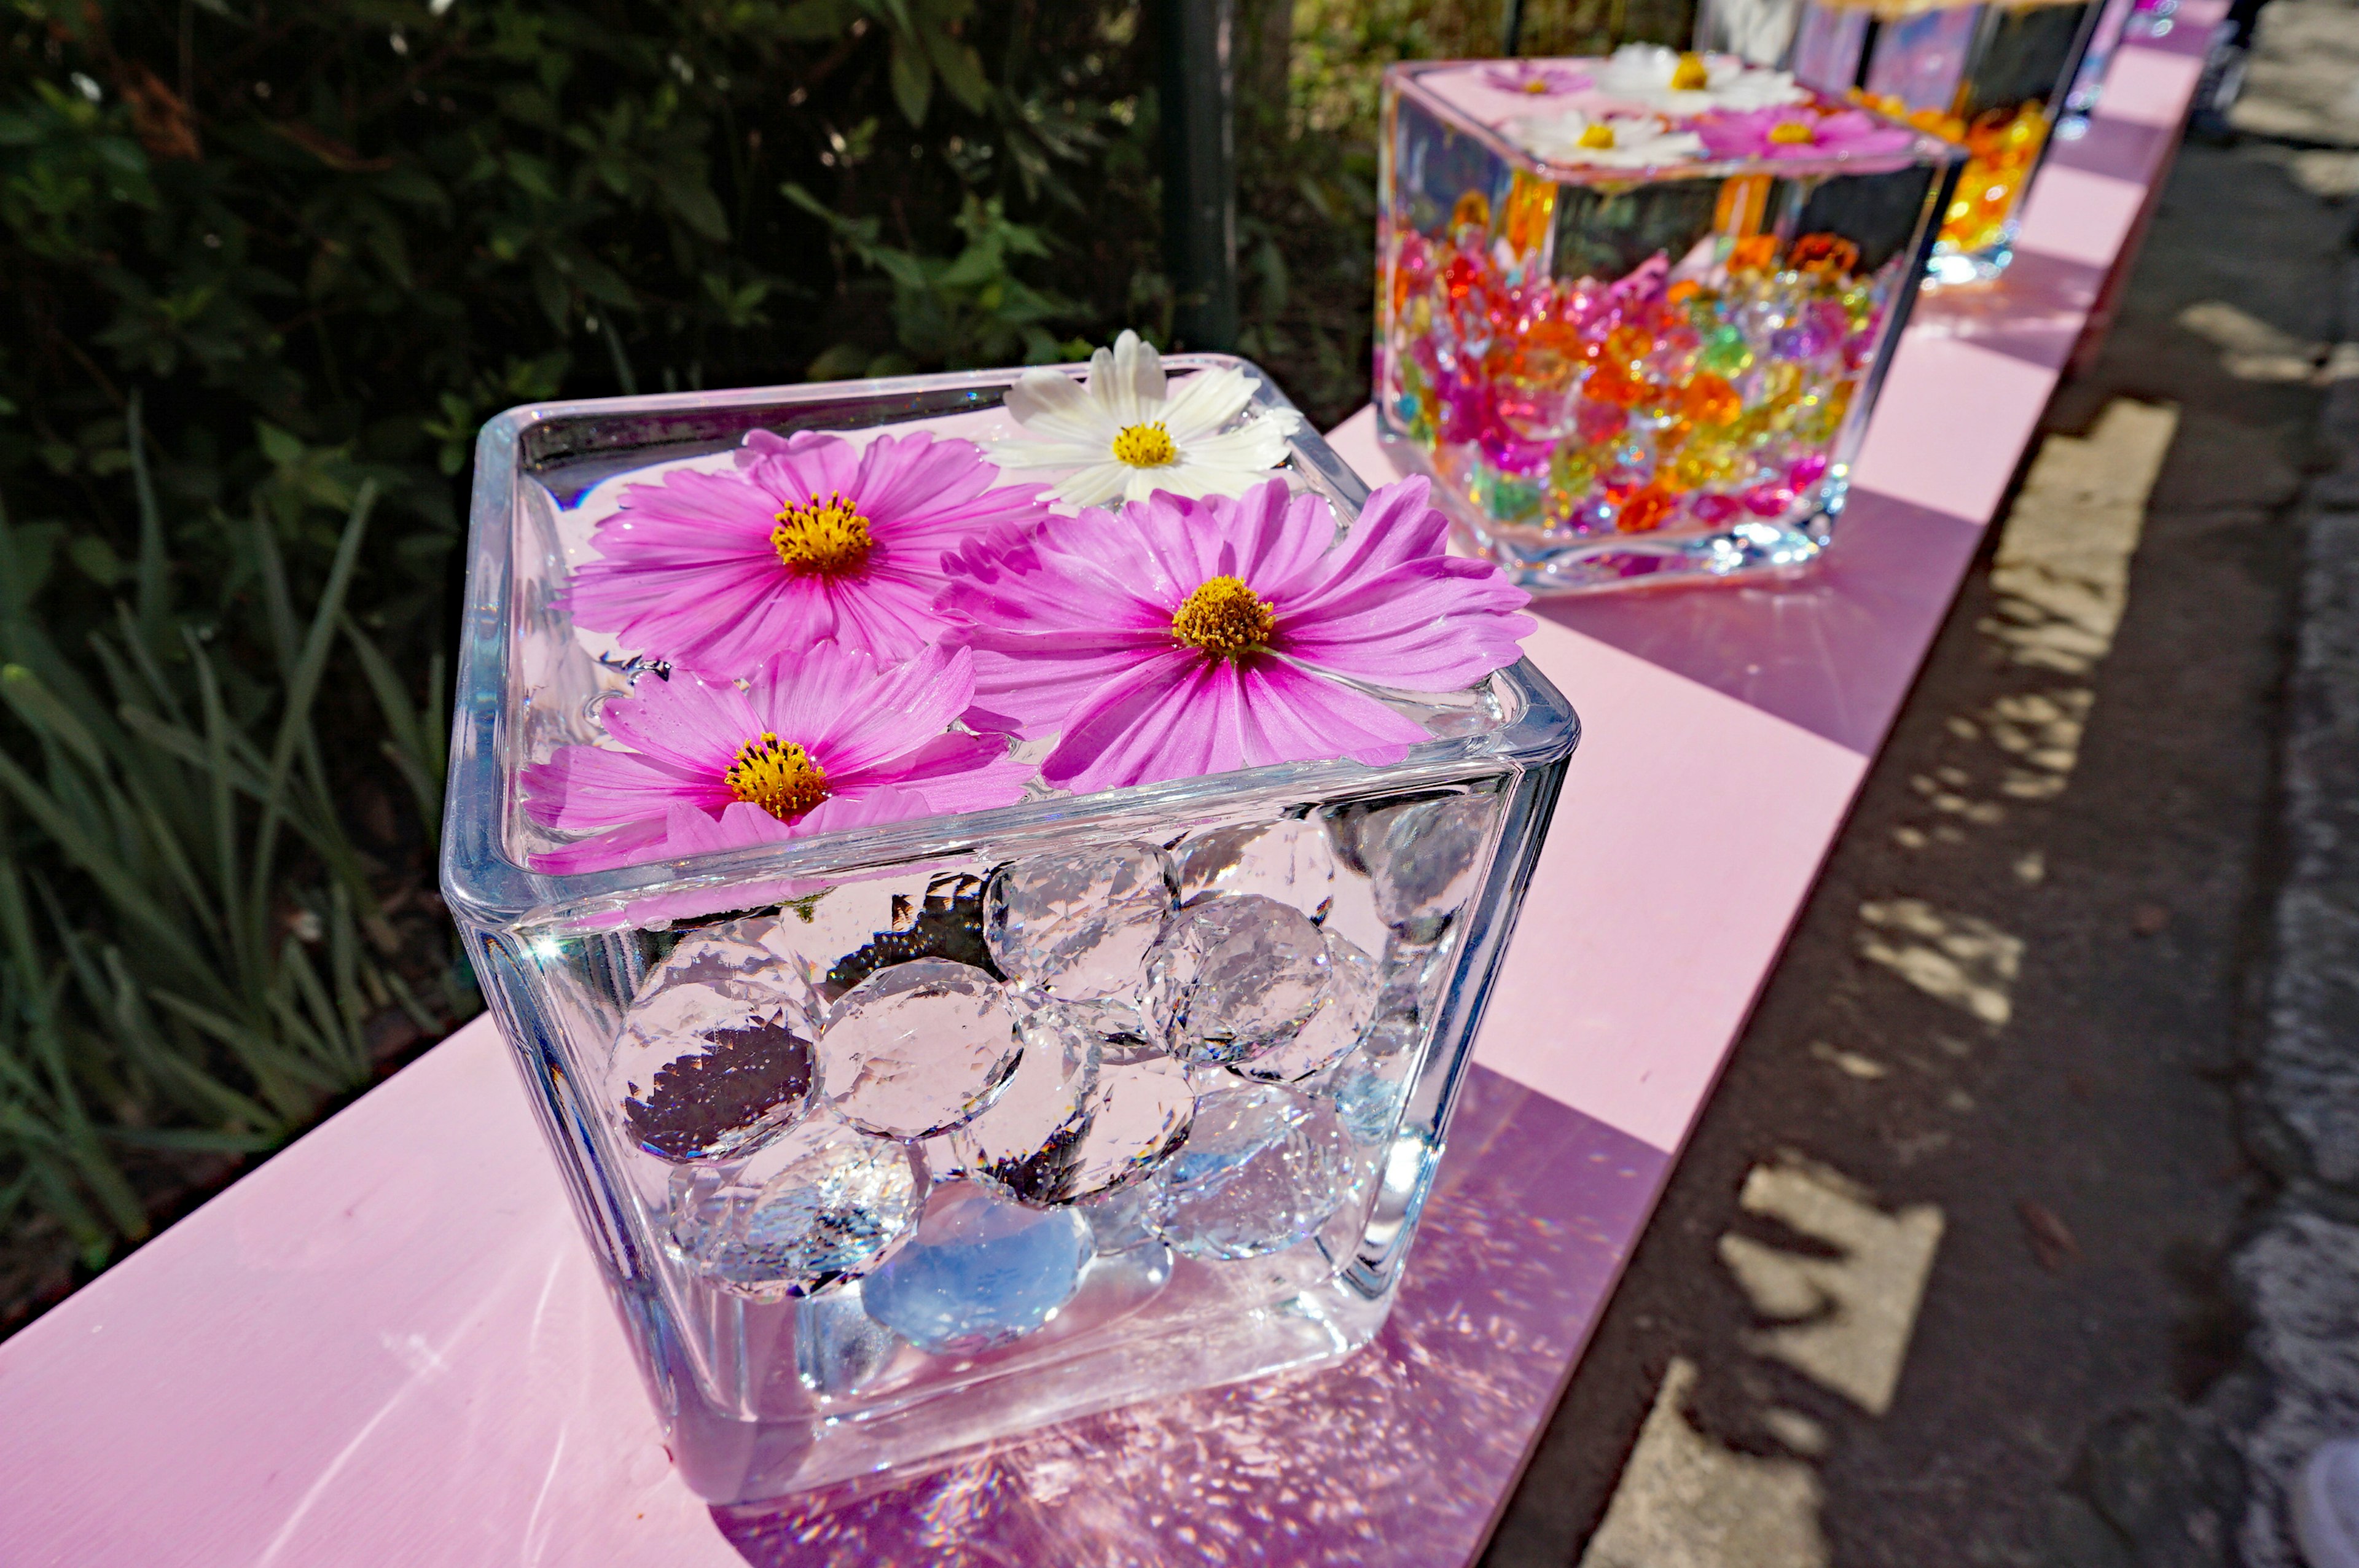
{"points": [[1608, 141], [1127, 433], [1670, 82]]}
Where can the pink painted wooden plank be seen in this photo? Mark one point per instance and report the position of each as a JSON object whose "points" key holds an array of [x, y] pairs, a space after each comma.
{"points": [[2080, 216]]}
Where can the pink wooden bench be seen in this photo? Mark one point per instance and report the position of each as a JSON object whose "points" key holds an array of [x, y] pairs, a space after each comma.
{"points": [[387, 1345]]}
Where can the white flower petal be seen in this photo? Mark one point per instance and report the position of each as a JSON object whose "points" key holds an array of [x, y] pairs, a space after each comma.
{"points": [[1017, 452], [1205, 402], [1096, 485], [1137, 391], [1042, 394], [1254, 446]]}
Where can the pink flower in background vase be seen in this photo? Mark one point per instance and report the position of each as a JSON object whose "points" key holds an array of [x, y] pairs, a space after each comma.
{"points": [[811, 537], [817, 739], [1533, 79], [1796, 131], [1188, 637]]}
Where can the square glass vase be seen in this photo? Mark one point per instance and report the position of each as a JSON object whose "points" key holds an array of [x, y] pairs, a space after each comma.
{"points": [[1634, 374], [1996, 78], [1150, 1083]]}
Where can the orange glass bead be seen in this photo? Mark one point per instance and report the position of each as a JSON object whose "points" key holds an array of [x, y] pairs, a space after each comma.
{"points": [[1629, 343], [1609, 382], [1756, 253], [1709, 400], [1644, 510], [1683, 291], [1473, 210], [1824, 252]]}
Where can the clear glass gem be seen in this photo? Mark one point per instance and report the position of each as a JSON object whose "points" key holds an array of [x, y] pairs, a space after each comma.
{"points": [[1341, 1017], [1078, 926], [1424, 857], [917, 1048], [1367, 1092], [708, 1058], [1291, 861], [818, 1203], [839, 1349], [1081, 1115], [1235, 978], [981, 1271], [1263, 1168]]}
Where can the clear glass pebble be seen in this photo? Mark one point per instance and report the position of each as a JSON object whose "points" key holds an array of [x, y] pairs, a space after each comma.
{"points": [[1263, 1168], [1078, 926], [1424, 857], [1340, 1018], [1232, 978], [1291, 861], [981, 1271], [818, 1203], [1081, 1115], [710, 1058], [1367, 1092], [917, 1048], [839, 1349]]}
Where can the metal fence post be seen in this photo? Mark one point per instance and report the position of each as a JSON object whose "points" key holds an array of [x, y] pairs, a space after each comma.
{"points": [[1199, 169]]}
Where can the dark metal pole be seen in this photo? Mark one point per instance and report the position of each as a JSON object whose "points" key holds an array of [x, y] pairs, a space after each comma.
{"points": [[1199, 169], [1511, 30]]}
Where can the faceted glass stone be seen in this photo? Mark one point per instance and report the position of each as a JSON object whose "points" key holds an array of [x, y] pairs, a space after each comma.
{"points": [[981, 1271], [818, 1203], [1078, 926], [1424, 857], [1342, 1015], [709, 1059], [1081, 1115], [1263, 1168], [1367, 1092], [1290, 861], [839, 1349], [917, 1048], [1235, 978]]}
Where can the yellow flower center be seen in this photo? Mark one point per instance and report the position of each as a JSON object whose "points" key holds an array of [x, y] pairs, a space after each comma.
{"points": [[1599, 136], [1792, 134], [1537, 85], [779, 776], [1145, 446], [823, 541], [1688, 75], [1225, 618]]}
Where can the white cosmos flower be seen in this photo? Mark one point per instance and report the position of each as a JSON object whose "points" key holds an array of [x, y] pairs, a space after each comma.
{"points": [[1609, 141], [1668, 82], [1127, 434]]}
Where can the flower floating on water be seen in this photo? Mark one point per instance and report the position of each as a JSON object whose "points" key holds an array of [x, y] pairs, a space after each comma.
{"points": [[1648, 76], [1534, 79], [1130, 433], [1800, 132], [1610, 141], [812, 537], [1185, 637], [818, 739]]}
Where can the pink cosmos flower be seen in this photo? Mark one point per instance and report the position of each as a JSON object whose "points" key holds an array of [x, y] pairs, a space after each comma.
{"points": [[811, 537], [818, 739], [1534, 81], [1797, 131], [1186, 637]]}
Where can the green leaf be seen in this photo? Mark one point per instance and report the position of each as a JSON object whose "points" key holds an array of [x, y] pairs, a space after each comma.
{"points": [[913, 81], [694, 203], [97, 559]]}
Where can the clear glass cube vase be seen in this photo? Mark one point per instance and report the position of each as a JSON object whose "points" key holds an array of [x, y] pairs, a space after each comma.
{"points": [[1994, 77], [1629, 355], [894, 1141]]}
